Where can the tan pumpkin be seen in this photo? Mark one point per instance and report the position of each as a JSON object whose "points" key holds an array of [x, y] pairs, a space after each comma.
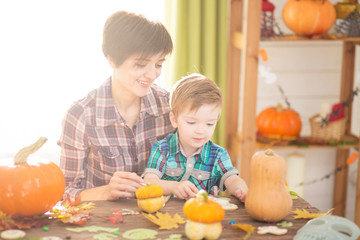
{"points": [[268, 199], [279, 123], [203, 217], [309, 17], [150, 198]]}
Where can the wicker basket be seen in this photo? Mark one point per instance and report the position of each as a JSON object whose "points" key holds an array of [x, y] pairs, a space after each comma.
{"points": [[332, 131]]}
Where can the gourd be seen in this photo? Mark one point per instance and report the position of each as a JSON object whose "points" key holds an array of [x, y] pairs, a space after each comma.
{"points": [[279, 123], [309, 17], [150, 198], [268, 198], [29, 185], [203, 217]]}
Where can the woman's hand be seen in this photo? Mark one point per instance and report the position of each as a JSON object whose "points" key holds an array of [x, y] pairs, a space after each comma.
{"points": [[123, 185], [185, 189]]}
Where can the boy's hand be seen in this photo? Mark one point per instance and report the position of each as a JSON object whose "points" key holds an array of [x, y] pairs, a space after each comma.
{"points": [[185, 189], [240, 194]]}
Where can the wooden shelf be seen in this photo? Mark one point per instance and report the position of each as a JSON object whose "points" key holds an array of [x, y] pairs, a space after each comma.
{"points": [[306, 142], [294, 37], [244, 51]]}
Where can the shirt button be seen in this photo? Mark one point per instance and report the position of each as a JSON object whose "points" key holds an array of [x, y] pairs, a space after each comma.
{"points": [[172, 172], [200, 177], [189, 165], [136, 159]]}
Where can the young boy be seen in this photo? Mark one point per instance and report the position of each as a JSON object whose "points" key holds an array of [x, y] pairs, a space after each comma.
{"points": [[187, 160]]}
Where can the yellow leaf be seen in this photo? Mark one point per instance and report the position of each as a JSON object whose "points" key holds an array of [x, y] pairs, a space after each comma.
{"points": [[165, 221], [307, 215], [249, 229]]}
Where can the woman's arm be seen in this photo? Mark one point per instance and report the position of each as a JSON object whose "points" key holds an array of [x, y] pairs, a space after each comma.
{"points": [[122, 185]]}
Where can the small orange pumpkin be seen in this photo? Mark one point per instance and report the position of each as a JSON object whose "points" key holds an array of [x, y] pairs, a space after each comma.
{"points": [[309, 17], [268, 198], [150, 198], [29, 186], [279, 123], [204, 217]]}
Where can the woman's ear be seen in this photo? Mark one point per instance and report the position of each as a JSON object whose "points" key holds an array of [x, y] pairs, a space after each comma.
{"points": [[173, 119]]}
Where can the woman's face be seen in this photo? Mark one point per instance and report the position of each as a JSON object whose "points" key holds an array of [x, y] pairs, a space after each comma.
{"points": [[136, 74]]}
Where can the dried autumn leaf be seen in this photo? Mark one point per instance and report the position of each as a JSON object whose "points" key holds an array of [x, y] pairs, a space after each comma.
{"points": [[8, 222], [352, 158], [307, 215], [249, 229], [165, 221], [67, 213]]}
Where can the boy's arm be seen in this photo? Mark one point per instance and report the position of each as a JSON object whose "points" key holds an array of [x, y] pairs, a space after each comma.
{"points": [[237, 187], [181, 190]]}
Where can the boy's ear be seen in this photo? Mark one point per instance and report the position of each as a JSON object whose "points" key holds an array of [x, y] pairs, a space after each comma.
{"points": [[173, 119]]}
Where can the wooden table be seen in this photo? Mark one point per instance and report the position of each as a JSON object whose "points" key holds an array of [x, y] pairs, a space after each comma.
{"points": [[104, 209]]}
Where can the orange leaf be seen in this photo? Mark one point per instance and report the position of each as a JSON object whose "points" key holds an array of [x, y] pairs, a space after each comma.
{"points": [[263, 54], [352, 158]]}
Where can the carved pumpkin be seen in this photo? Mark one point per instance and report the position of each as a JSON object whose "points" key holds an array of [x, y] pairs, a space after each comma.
{"points": [[203, 217], [150, 198], [29, 186], [277, 122], [268, 198], [309, 17]]}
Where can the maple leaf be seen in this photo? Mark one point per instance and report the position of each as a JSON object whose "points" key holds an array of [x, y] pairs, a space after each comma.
{"points": [[165, 221], [9, 222], [307, 215], [249, 229], [116, 217], [68, 213]]}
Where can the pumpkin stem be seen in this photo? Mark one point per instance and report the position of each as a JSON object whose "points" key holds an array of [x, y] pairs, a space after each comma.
{"points": [[269, 152], [23, 154], [279, 107], [202, 195]]}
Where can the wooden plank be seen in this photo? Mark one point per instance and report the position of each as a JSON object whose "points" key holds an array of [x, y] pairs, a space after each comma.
{"points": [[248, 93], [340, 184], [233, 79], [104, 209], [357, 198], [346, 89]]}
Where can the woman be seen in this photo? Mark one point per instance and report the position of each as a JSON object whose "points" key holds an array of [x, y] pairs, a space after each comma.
{"points": [[107, 136]]}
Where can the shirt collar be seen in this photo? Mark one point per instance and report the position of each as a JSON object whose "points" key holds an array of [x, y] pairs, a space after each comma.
{"points": [[106, 112]]}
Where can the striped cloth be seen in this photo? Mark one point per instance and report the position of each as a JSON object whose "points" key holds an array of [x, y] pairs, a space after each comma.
{"points": [[96, 142]]}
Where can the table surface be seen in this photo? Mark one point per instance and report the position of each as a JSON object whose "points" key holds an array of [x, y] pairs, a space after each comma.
{"points": [[104, 209]]}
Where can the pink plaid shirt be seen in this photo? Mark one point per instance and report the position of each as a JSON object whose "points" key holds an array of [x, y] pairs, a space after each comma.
{"points": [[96, 142]]}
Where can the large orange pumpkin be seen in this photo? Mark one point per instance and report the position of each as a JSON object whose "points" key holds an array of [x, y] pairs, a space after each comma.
{"points": [[279, 123], [309, 17], [28, 185]]}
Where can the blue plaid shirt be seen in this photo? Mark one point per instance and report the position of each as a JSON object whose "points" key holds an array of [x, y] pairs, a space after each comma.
{"points": [[207, 169]]}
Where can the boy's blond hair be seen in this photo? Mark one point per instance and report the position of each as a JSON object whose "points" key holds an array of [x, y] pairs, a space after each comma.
{"points": [[194, 91]]}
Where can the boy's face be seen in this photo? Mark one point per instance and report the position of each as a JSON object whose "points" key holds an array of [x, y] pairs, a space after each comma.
{"points": [[196, 127]]}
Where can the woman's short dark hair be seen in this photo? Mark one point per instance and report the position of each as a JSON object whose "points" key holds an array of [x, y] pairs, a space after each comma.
{"points": [[126, 34]]}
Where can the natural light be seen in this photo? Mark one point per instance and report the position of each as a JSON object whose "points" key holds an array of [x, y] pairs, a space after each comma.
{"points": [[50, 56]]}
